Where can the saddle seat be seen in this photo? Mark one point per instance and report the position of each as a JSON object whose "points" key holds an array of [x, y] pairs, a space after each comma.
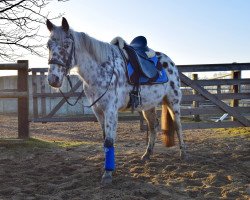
{"points": [[137, 53]]}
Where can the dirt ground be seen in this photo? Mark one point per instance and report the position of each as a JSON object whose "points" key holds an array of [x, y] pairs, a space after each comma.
{"points": [[65, 161]]}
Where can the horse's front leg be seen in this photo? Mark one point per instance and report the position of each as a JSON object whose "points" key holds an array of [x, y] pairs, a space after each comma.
{"points": [[110, 125], [100, 117]]}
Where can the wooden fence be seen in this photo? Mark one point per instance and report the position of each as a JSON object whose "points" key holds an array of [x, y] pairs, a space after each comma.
{"points": [[216, 103], [202, 101], [21, 93]]}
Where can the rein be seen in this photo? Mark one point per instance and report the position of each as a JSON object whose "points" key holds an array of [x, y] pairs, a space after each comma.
{"points": [[78, 98], [66, 98]]}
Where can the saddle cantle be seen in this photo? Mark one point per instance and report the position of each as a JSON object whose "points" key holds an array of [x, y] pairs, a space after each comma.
{"points": [[138, 57], [139, 43]]}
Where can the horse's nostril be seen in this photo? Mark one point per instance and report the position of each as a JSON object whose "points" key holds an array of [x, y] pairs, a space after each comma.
{"points": [[56, 79]]}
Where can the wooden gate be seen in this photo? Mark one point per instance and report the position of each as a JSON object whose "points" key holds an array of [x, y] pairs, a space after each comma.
{"points": [[39, 82], [39, 99], [222, 103]]}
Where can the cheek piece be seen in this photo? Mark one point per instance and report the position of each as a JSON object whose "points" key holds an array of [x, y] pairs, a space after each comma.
{"points": [[109, 151]]}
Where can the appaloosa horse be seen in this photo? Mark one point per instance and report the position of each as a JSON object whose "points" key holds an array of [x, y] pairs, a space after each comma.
{"points": [[103, 71]]}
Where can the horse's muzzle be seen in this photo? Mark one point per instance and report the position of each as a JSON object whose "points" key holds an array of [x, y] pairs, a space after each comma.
{"points": [[54, 81]]}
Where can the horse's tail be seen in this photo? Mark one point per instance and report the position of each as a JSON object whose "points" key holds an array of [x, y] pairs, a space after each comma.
{"points": [[167, 125]]}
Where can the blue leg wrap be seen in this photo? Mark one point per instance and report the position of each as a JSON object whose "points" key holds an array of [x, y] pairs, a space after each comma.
{"points": [[109, 158]]}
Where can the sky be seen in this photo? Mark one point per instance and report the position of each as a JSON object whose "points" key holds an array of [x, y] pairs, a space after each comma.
{"points": [[188, 31]]}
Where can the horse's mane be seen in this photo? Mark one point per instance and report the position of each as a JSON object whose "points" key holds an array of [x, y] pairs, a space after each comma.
{"points": [[100, 51]]}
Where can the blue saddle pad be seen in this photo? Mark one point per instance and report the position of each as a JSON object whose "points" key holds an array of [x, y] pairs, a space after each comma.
{"points": [[143, 80]]}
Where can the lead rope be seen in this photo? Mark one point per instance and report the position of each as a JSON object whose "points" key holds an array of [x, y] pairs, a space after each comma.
{"points": [[78, 98]]}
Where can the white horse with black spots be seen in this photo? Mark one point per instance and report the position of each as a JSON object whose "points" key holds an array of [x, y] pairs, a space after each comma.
{"points": [[102, 69]]}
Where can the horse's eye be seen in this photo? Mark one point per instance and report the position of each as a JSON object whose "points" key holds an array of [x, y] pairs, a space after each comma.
{"points": [[63, 70], [66, 44]]}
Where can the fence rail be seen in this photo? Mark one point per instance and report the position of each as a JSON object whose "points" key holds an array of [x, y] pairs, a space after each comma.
{"points": [[14, 66], [13, 94], [214, 67]]}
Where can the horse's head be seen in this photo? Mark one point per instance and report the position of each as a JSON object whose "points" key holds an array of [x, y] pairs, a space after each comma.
{"points": [[61, 52]]}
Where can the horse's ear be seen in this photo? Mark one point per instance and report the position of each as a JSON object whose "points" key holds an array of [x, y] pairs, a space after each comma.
{"points": [[65, 25], [50, 26]]}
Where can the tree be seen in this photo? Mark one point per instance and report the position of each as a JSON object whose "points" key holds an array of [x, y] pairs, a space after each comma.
{"points": [[20, 21]]}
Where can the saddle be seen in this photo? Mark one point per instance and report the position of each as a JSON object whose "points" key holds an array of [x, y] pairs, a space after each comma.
{"points": [[139, 59], [143, 67]]}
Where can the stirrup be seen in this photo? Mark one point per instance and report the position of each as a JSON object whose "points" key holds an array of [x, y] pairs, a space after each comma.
{"points": [[135, 99]]}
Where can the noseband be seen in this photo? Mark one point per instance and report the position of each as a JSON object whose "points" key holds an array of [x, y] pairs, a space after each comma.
{"points": [[68, 63]]}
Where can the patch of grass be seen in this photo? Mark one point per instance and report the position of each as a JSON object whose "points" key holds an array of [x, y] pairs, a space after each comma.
{"points": [[30, 143], [234, 132], [34, 142], [67, 144]]}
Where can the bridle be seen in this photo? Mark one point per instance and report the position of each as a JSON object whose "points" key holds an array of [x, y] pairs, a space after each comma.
{"points": [[67, 67], [68, 63]]}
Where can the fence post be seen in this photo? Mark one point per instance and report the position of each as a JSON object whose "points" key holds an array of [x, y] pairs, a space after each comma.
{"points": [[195, 103], [34, 91], [218, 89], [235, 89], [23, 102], [43, 99]]}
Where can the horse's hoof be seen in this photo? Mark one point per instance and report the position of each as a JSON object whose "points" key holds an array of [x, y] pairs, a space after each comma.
{"points": [[184, 156], [145, 157], [107, 178]]}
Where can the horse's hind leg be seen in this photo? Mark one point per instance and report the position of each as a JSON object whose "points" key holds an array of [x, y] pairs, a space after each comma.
{"points": [[174, 106], [151, 117], [178, 126]]}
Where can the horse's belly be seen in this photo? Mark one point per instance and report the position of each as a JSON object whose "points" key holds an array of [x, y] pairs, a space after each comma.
{"points": [[148, 103]]}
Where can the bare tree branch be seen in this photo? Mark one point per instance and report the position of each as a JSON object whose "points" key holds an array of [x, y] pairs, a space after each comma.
{"points": [[11, 6], [20, 21]]}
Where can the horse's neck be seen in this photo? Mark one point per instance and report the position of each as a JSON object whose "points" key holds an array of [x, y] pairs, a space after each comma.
{"points": [[89, 64]]}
